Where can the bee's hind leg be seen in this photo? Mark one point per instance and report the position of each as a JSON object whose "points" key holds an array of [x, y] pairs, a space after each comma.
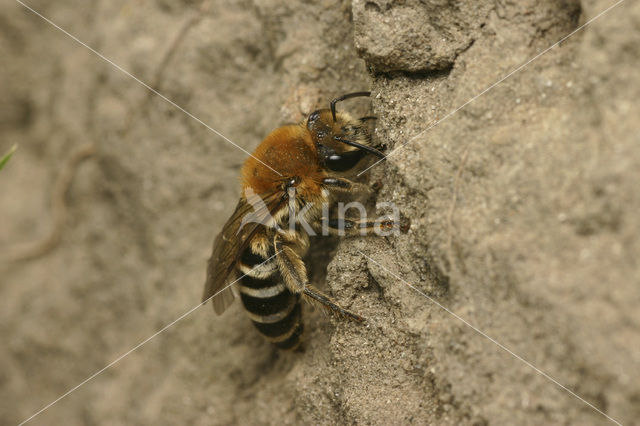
{"points": [[290, 265], [294, 275], [317, 298]]}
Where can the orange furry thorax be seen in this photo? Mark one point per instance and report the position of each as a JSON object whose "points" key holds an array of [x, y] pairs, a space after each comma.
{"points": [[290, 151]]}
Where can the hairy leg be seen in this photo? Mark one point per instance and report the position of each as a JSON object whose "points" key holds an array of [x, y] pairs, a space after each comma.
{"points": [[294, 275]]}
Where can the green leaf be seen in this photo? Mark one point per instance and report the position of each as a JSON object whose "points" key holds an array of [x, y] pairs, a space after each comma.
{"points": [[5, 158]]}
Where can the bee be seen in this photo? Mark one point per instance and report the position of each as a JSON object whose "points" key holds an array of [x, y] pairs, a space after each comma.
{"points": [[295, 170]]}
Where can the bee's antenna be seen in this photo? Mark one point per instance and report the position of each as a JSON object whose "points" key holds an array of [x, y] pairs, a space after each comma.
{"points": [[362, 147], [342, 98]]}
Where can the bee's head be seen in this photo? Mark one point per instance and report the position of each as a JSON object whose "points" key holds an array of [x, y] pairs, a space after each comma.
{"points": [[323, 128], [340, 139]]}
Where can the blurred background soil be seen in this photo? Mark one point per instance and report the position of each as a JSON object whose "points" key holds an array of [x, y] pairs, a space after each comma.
{"points": [[524, 207]]}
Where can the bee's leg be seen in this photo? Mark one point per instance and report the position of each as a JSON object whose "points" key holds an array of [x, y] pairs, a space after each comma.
{"points": [[355, 227], [352, 226], [345, 186], [290, 265], [294, 275], [316, 297]]}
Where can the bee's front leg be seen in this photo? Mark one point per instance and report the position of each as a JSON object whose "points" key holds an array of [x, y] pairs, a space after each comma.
{"points": [[294, 275], [357, 226]]}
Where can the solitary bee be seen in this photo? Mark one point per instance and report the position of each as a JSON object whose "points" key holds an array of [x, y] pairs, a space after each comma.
{"points": [[292, 172]]}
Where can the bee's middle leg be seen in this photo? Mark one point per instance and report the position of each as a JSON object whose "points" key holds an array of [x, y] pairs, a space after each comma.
{"points": [[353, 227], [345, 186]]}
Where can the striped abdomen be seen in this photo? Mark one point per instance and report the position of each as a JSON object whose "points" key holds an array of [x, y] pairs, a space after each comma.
{"points": [[273, 309]]}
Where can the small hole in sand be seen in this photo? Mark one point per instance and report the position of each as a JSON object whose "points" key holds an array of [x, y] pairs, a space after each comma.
{"points": [[371, 7]]}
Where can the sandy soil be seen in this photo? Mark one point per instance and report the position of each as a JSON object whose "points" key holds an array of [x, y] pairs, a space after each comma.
{"points": [[524, 208]]}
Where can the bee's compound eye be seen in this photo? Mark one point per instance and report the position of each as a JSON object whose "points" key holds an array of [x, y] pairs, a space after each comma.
{"points": [[344, 161]]}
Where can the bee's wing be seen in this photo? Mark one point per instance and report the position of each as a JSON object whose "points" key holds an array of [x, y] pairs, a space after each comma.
{"points": [[235, 236]]}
